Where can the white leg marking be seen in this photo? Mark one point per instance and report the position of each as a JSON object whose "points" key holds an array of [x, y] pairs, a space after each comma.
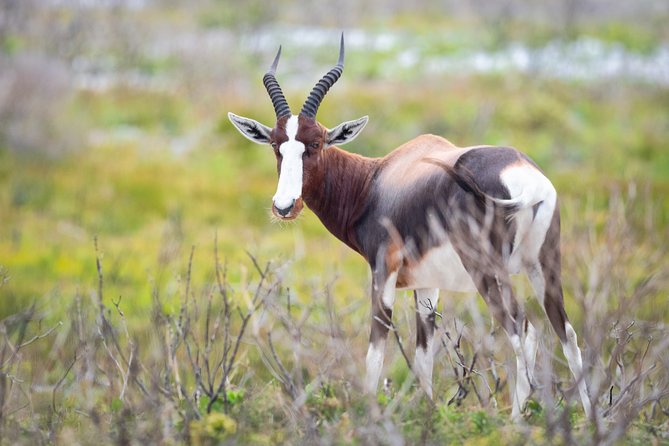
{"points": [[426, 305], [523, 388], [573, 355], [376, 349], [388, 296], [374, 364], [424, 362], [531, 345]]}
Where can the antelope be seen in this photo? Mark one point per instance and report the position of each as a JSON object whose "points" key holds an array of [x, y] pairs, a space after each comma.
{"points": [[428, 216]]}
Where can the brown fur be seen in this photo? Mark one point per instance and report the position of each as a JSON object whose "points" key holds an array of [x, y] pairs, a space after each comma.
{"points": [[335, 187]]}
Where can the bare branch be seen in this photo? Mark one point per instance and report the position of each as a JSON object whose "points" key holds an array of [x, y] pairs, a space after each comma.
{"points": [[60, 382], [40, 336]]}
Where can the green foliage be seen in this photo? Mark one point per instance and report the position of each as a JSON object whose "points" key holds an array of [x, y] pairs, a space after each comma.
{"points": [[324, 403], [641, 39], [235, 397], [229, 14], [11, 44], [456, 425], [149, 206], [128, 108], [533, 411], [212, 429]]}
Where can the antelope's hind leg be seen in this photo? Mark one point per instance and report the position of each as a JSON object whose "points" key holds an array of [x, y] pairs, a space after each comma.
{"points": [[545, 277], [426, 307], [496, 290], [549, 292]]}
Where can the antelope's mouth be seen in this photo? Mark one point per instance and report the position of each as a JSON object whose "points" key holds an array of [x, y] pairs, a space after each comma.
{"points": [[289, 213]]}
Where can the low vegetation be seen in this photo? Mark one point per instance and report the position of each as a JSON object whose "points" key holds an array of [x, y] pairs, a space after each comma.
{"points": [[146, 296]]}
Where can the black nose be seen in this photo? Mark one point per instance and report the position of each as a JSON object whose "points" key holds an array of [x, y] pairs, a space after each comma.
{"points": [[285, 211]]}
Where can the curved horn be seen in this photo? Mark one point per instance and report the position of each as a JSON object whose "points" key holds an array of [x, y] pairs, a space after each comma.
{"points": [[312, 103], [275, 94]]}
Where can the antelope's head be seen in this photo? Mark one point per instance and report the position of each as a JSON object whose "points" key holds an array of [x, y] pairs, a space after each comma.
{"points": [[298, 141]]}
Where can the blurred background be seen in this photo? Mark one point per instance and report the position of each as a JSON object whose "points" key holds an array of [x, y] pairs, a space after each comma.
{"points": [[113, 113], [113, 126]]}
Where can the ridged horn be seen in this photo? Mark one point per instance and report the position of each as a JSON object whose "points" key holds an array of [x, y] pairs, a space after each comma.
{"points": [[274, 89], [312, 103]]}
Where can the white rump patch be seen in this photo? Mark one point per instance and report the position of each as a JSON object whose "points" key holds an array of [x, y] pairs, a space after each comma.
{"points": [[289, 188], [529, 187]]}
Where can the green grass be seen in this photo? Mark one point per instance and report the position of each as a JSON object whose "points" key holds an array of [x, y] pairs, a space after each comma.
{"points": [[137, 200], [603, 145]]}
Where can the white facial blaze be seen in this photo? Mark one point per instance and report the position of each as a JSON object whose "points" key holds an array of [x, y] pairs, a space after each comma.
{"points": [[290, 178]]}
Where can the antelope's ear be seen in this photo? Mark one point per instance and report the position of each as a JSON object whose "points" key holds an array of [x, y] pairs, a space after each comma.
{"points": [[250, 128], [345, 132]]}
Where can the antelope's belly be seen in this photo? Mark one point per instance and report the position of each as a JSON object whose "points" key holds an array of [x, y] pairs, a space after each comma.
{"points": [[440, 268]]}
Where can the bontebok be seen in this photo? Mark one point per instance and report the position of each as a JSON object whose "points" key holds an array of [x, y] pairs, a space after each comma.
{"points": [[427, 216]]}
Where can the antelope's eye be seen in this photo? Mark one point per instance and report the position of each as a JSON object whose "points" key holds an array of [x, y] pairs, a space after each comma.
{"points": [[275, 146], [314, 145]]}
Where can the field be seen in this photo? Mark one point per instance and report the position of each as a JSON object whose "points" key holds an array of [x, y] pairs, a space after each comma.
{"points": [[146, 296]]}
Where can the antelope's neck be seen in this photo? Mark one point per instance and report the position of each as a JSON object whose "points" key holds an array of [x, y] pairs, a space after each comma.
{"points": [[338, 191]]}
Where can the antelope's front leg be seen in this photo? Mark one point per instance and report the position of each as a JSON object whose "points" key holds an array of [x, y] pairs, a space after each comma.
{"points": [[383, 297], [426, 307]]}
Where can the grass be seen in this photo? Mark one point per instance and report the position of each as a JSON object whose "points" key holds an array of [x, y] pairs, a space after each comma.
{"points": [[140, 197], [148, 208], [280, 392], [116, 354]]}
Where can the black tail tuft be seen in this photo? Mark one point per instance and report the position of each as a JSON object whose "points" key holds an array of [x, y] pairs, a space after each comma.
{"points": [[465, 179]]}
